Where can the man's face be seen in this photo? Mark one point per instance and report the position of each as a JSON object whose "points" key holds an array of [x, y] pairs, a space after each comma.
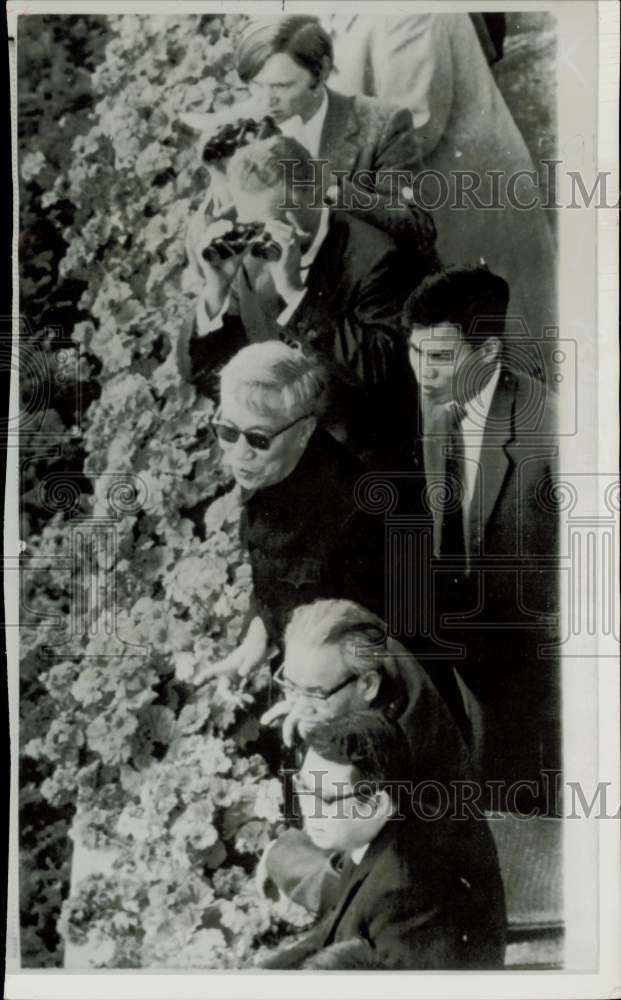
{"points": [[313, 671], [252, 468], [259, 206], [284, 88], [440, 359], [335, 819]]}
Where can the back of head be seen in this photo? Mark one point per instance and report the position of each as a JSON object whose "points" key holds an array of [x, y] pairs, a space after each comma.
{"points": [[299, 36], [332, 621], [269, 163], [472, 298], [374, 745], [229, 136], [272, 378], [360, 635], [436, 750]]}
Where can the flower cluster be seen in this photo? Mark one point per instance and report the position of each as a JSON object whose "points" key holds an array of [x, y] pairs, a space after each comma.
{"points": [[137, 579]]}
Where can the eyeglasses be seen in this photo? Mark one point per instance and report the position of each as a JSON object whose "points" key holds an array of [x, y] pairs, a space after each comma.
{"points": [[259, 440], [313, 694]]}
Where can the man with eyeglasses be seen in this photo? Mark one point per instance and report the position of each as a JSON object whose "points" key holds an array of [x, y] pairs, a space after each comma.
{"points": [[417, 889], [339, 659], [305, 534]]}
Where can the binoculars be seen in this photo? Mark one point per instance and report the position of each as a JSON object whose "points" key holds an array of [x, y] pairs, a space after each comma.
{"points": [[233, 135], [240, 237]]}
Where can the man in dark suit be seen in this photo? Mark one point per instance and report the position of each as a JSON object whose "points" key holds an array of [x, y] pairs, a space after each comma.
{"points": [[336, 289], [490, 452], [418, 889], [339, 659], [358, 143]]}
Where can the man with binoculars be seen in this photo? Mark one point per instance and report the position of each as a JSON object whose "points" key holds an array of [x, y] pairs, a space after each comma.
{"points": [[290, 268]]}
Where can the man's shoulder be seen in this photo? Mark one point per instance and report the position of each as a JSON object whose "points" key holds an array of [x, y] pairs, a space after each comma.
{"points": [[375, 110], [333, 459], [359, 236], [373, 113], [536, 405], [403, 862]]}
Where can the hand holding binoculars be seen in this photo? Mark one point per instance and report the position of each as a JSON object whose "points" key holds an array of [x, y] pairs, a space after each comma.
{"points": [[239, 238]]}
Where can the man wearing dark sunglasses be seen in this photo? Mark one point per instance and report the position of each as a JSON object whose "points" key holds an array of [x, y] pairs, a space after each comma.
{"points": [[305, 534]]}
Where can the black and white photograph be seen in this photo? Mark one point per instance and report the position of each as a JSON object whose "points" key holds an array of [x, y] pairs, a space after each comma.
{"points": [[311, 537]]}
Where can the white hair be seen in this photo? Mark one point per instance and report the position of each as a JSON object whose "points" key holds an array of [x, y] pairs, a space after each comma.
{"points": [[273, 378], [340, 623]]}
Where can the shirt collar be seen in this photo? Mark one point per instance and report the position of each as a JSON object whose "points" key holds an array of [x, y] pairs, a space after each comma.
{"points": [[308, 133], [359, 853], [308, 257]]}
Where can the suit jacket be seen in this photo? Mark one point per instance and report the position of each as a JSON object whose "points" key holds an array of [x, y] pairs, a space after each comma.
{"points": [[505, 614], [363, 135], [307, 539], [426, 895], [349, 316], [438, 752], [433, 65]]}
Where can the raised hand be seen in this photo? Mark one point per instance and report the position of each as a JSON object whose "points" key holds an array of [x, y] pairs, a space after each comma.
{"points": [[286, 272], [215, 271], [248, 655]]}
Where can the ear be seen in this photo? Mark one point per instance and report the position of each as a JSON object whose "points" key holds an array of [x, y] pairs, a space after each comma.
{"points": [[491, 348], [369, 685], [326, 69], [384, 805], [306, 429]]}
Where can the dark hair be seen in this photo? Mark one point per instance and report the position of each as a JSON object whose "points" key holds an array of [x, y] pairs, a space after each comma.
{"points": [[373, 744], [298, 36], [472, 298]]}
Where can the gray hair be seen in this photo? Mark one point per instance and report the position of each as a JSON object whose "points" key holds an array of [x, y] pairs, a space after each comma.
{"points": [[272, 378], [269, 163], [344, 624]]}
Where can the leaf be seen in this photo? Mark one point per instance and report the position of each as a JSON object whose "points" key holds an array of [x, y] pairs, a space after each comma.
{"points": [[159, 723], [216, 855]]}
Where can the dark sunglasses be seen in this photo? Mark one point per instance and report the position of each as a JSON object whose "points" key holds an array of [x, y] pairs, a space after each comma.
{"points": [[316, 694], [259, 440]]}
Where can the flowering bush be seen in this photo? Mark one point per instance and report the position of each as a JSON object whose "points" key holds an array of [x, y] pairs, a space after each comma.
{"points": [[138, 578]]}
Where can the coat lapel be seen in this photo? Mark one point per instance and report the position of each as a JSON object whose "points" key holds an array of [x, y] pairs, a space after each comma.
{"points": [[496, 459], [353, 876], [258, 313], [340, 141]]}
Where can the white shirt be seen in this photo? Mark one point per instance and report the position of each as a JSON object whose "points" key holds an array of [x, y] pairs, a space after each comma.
{"points": [[309, 132], [205, 324], [473, 423], [359, 853]]}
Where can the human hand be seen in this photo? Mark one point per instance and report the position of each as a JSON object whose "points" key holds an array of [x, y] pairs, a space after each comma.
{"points": [[249, 654], [216, 273], [261, 876], [291, 719], [286, 272]]}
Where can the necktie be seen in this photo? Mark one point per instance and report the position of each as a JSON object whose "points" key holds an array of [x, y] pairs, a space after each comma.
{"points": [[452, 539], [262, 303]]}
